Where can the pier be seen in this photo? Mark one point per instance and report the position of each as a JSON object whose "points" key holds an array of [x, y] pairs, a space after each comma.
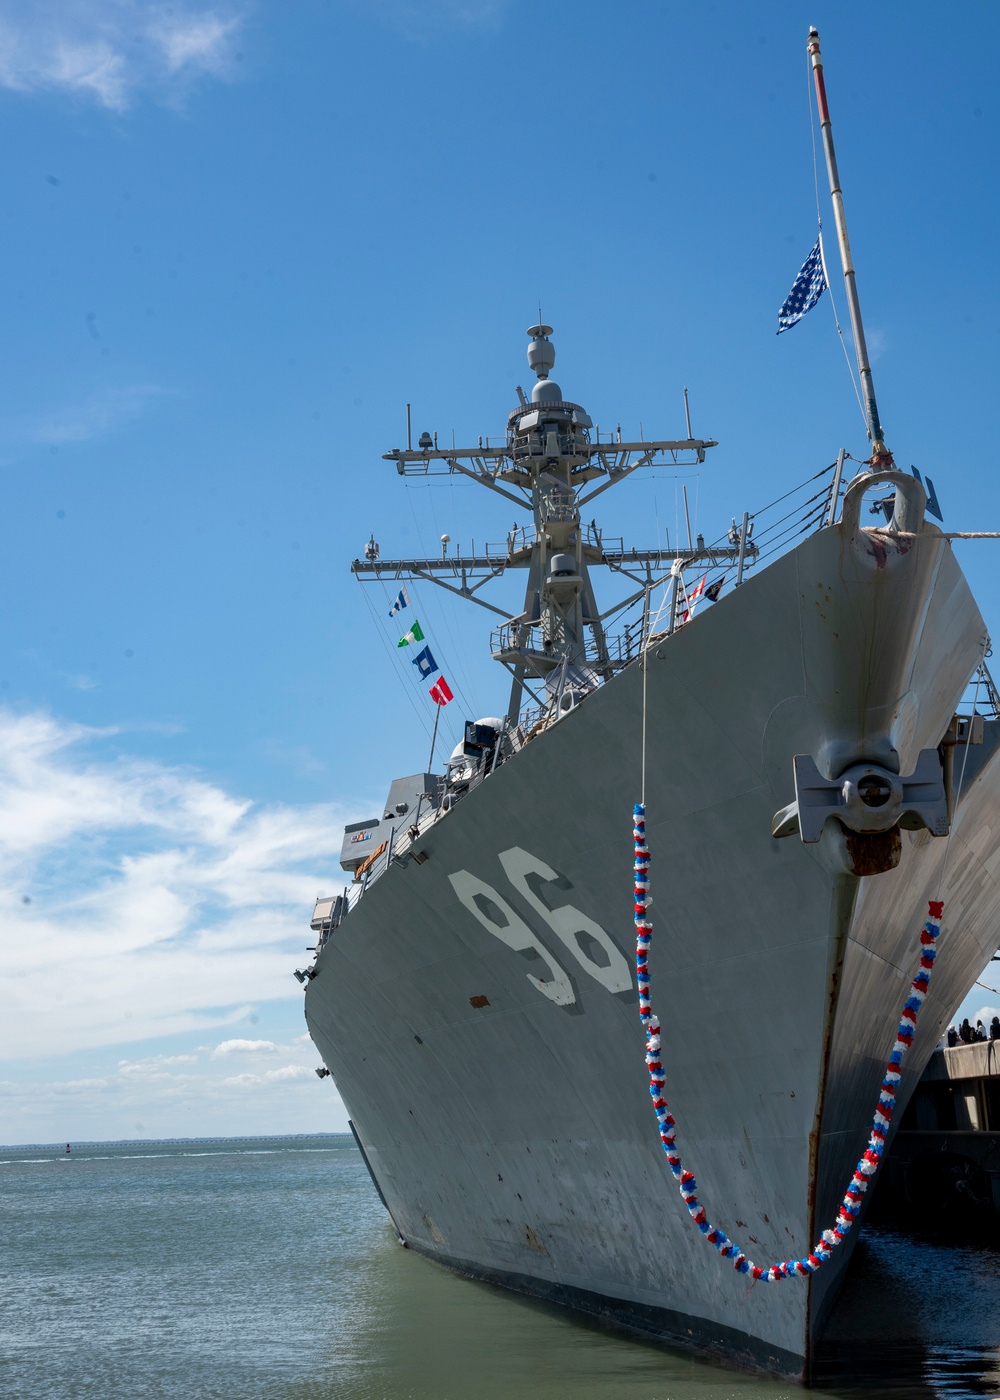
{"points": [[947, 1148]]}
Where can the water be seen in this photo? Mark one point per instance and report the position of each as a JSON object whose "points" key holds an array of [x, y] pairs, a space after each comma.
{"points": [[267, 1270]]}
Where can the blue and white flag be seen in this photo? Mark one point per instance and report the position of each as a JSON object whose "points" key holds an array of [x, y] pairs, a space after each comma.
{"points": [[424, 663], [402, 601], [806, 291]]}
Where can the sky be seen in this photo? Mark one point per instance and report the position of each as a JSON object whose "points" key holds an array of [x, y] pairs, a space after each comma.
{"points": [[236, 240]]}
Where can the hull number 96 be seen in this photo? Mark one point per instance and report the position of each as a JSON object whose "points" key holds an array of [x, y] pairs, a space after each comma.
{"points": [[584, 939]]}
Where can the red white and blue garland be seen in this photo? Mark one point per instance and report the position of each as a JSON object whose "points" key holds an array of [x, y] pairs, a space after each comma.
{"points": [[869, 1163]]}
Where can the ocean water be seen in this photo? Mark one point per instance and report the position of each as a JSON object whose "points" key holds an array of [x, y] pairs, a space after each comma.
{"points": [[267, 1270]]}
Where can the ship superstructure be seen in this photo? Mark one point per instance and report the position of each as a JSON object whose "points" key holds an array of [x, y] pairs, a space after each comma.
{"points": [[554, 463]]}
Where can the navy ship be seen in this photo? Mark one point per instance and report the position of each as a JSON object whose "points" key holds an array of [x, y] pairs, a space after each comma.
{"points": [[819, 735]]}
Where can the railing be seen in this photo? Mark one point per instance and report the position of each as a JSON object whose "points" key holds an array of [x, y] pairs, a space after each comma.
{"points": [[558, 506], [523, 537], [801, 511], [981, 696], [329, 913], [766, 533], [504, 637], [762, 535], [403, 842], [574, 442], [623, 647]]}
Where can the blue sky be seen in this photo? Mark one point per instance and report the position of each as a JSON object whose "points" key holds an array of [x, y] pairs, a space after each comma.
{"points": [[236, 240]]}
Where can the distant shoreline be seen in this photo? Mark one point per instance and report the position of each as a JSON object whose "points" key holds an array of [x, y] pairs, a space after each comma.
{"points": [[171, 1141]]}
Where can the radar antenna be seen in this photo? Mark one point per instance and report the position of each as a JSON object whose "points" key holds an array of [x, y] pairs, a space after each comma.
{"points": [[550, 456]]}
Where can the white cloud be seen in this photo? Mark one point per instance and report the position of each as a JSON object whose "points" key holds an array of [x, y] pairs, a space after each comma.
{"points": [[272, 1076], [200, 42], [108, 50], [174, 1096], [877, 340], [154, 1066], [92, 417], [159, 903], [277, 1076], [244, 1047], [297, 758]]}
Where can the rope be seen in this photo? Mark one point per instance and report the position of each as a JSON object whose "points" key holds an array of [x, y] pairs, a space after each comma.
{"points": [[645, 667], [822, 250], [801, 487], [944, 535], [439, 610], [872, 1156], [840, 333], [442, 611], [812, 132], [417, 709]]}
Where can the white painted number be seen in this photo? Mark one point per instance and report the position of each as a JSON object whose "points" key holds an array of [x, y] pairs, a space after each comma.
{"points": [[568, 924], [589, 944], [477, 896]]}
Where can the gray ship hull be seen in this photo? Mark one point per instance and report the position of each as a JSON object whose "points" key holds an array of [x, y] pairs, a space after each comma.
{"points": [[473, 1011]]}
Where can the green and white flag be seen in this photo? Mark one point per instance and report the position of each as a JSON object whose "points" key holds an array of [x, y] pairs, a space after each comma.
{"points": [[414, 635]]}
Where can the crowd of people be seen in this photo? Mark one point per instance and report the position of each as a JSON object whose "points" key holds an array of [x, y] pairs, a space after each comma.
{"points": [[967, 1035]]}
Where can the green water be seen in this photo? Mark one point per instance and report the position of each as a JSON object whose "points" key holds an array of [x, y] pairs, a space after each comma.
{"points": [[267, 1270]]}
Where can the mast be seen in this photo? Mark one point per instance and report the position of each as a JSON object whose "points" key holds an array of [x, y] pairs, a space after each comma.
{"points": [[553, 462], [881, 456]]}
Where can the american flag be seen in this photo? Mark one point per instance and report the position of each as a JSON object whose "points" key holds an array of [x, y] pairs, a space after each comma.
{"points": [[806, 291]]}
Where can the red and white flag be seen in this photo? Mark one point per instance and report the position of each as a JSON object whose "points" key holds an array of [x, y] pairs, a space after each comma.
{"points": [[693, 595], [441, 692]]}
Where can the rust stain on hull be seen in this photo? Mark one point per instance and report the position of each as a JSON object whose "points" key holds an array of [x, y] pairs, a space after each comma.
{"points": [[873, 853]]}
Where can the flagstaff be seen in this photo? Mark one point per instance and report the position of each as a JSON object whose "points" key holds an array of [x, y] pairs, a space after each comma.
{"points": [[881, 456], [434, 738]]}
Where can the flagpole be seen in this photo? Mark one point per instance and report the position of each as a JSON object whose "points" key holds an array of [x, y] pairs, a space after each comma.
{"points": [[437, 716], [881, 456]]}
